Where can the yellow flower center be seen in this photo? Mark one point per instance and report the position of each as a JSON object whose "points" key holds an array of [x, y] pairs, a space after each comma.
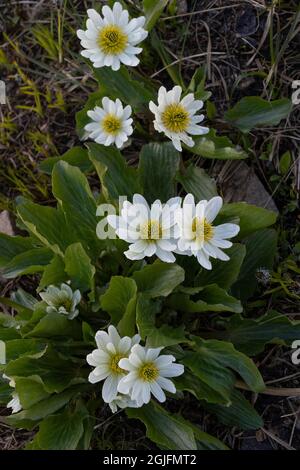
{"points": [[114, 364], [202, 229], [112, 40], [151, 230], [149, 372], [175, 118], [111, 124]]}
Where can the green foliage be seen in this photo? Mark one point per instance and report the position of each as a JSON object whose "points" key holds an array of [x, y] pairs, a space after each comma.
{"points": [[196, 314], [253, 111], [196, 181], [158, 166], [46, 351], [212, 146], [153, 10]]}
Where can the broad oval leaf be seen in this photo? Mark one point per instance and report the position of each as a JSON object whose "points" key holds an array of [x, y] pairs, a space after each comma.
{"points": [[253, 111], [158, 165]]}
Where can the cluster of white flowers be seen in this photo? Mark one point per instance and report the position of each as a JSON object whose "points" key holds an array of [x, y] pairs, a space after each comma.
{"points": [[131, 372], [110, 40], [184, 228]]}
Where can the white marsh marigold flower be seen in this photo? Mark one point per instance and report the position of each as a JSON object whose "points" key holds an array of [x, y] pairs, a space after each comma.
{"points": [[62, 300], [148, 373], [110, 349], [177, 117], [110, 124], [199, 237], [149, 230], [111, 39]]}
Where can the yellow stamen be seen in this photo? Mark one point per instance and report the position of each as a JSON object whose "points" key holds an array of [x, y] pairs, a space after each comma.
{"points": [[202, 229], [149, 372], [175, 118], [112, 40], [151, 230], [114, 364], [111, 124]]}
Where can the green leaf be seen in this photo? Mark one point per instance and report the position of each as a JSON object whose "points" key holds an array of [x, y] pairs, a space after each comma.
{"points": [[211, 298], [153, 9], [79, 268], [226, 355], [193, 384], [213, 374], [7, 334], [260, 252], [76, 156], [71, 189], [55, 372], [240, 413], [223, 274], [126, 325], [13, 246], [62, 431], [251, 335], [250, 218], [55, 325], [197, 85], [146, 310], [29, 262], [119, 293], [117, 178], [164, 429], [23, 298], [16, 348], [30, 390], [196, 181], [158, 165], [5, 393], [253, 111], [28, 418], [54, 273], [46, 223], [159, 279], [285, 162], [119, 84], [205, 441], [212, 146]]}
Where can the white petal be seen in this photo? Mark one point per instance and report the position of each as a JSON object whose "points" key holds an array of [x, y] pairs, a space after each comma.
{"points": [[166, 384], [110, 388], [203, 260], [226, 230], [173, 370], [158, 392]]}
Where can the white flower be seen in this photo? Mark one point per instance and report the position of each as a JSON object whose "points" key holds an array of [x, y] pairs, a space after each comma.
{"points": [[148, 373], [122, 401], [111, 40], [62, 300], [199, 237], [149, 230], [105, 359], [15, 403], [177, 118], [110, 124]]}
